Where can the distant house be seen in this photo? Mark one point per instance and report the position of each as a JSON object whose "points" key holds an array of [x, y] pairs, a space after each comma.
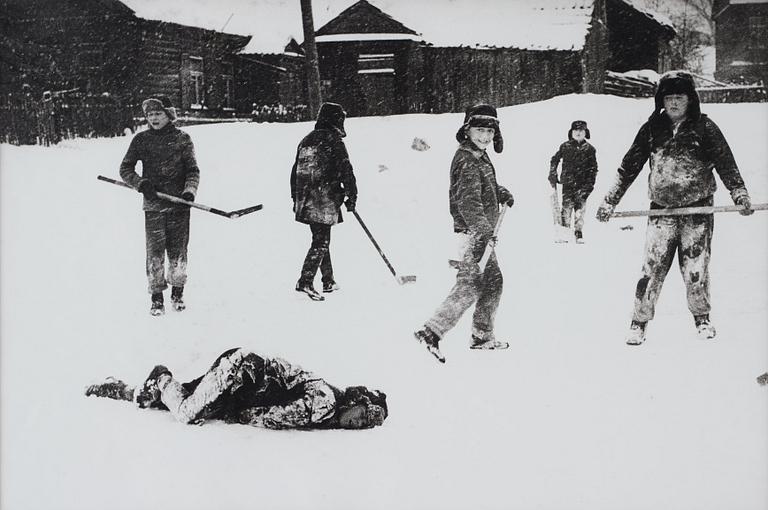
{"points": [[418, 58], [102, 47], [741, 40]]}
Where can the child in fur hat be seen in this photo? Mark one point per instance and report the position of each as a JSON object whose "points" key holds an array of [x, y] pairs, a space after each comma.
{"points": [[474, 200], [578, 174], [169, 166], [683, 146], [321, 179]]}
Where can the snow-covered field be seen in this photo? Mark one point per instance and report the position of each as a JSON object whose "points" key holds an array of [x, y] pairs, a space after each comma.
{"points": [[568, 418]]}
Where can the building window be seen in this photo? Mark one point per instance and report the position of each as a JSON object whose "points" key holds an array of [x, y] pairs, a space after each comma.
{"points": [[229, 92], [196, 83], [376, 63], [758, 31], [325, 88], [90, 62]]}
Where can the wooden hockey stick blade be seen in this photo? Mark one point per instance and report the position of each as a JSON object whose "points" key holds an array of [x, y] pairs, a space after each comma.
{"points": [[682, 211], [243, 212], [406, 279]]}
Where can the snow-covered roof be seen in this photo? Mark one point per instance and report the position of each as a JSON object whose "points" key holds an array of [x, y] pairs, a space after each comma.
{"points": [[525, 24]]}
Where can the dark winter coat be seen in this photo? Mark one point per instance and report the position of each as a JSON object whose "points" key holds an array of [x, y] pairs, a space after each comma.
{"points": [[261, 382], [579, 169], [474, 194], [681, 163], [168, 161], [321, 177]]}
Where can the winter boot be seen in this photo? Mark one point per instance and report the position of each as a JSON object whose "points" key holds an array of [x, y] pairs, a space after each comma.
{"points": [[111, 388], [177, 299], [330, 287], [490, 343], [149, 393], [704, 328], [431, 340], [310, 291], [158, 308], [636, 335], [579, 237]]}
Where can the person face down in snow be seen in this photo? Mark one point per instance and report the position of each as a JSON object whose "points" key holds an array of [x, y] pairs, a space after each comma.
{"points": [[684, 147], [246, 388]]}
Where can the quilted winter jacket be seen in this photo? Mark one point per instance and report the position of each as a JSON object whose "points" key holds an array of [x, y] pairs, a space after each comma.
{"points": [[168, 160], [681, 163], [321, 177]]}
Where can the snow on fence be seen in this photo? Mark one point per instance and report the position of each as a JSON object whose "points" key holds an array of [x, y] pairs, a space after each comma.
{"points": [[621, 84], [25, 120]]}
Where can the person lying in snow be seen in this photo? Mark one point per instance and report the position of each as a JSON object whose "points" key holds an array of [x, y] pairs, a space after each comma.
{"points": [[243, 387]]}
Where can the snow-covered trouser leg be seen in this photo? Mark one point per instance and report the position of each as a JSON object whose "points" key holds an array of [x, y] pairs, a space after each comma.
{"points": [[221, 379], [154, 229], [578, 215], [177, 225], [567, 210], [661, 242], [694, 252], [464, 292], [318, 250], [488, 299]]}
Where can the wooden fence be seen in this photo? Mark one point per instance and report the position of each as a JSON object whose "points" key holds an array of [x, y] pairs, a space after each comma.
{"points": [[28, 121]]}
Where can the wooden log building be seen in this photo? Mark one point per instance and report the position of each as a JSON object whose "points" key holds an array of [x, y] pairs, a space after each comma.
{"points": [[741, 41]]}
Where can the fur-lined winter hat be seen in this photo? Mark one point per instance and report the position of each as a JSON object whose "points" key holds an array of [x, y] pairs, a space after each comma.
{"points": [[331, 116], [159, 103], [481, 115], [578, 124], [374, 402], [678, 82]]}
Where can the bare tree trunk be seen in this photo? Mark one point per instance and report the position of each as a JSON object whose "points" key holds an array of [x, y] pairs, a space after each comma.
{"points": [[310, 50]]}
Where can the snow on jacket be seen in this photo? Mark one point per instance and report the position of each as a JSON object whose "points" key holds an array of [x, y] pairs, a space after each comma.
{"points": [[474, 194], [168, 161], [579, 169], [244, 387], [321, 177], [681, 163]]}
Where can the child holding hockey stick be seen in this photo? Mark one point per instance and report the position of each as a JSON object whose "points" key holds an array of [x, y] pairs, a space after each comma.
{"points": [[578, 174], [474, 198], [684, 146], [168, 166]]}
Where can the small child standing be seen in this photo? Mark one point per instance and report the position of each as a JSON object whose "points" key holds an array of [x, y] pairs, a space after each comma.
{"points": [[577, 175]]}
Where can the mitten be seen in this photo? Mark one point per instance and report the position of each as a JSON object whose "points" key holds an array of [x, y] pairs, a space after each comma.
{"points": [[605, 211], [746, 203], [147, 189], [188, 196]]}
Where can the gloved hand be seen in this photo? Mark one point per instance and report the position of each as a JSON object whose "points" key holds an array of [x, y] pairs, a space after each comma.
{"points": [[746, 203], [605, 211], [510, 201], [147, 188], [350, 205], [188, 196], [553, 180]]}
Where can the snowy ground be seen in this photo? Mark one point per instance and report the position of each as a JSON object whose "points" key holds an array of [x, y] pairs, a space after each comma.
{"points": [[568, 418]]}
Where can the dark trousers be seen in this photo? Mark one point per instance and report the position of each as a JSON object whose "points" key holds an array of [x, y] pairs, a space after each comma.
{"points": [[318, 256], [166, 232]]}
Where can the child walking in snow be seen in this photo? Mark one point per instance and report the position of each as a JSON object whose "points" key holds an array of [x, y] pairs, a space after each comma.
{"points": [[683, 146], [168, 166], [320, 179], [474, 198], [578, 174]]}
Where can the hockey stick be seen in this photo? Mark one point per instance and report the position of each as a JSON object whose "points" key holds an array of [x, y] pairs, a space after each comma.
{"points": [[682, 211], [458, 264], [177, 200], [400, 279]]}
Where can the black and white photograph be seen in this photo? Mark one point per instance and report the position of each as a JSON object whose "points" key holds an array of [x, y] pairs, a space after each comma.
{"points": [[384, 254]]}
